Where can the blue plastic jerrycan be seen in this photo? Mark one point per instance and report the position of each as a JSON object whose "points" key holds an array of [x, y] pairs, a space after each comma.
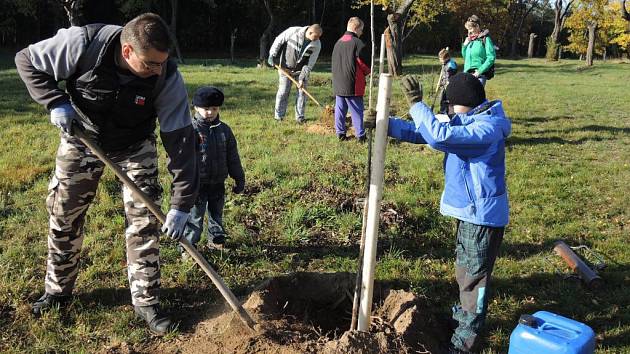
{"points": [[547, 333]]}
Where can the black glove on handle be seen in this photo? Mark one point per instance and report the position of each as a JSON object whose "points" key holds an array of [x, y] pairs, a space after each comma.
{"points": [[412, 88]]}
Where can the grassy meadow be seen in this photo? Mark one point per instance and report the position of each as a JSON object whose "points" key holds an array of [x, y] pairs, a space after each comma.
{"points": [[568, 163]]}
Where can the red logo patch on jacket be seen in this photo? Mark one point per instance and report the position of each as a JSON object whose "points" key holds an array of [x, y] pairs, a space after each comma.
{"points": [[140, 100]]}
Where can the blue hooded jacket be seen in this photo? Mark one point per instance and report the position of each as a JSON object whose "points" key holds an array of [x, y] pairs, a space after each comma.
{"points": [[474, 161]]}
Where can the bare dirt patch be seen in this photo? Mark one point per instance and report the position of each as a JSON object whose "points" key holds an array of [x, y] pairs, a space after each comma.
{"points": [[311, 313]]}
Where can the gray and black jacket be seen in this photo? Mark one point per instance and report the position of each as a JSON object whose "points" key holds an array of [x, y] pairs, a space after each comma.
{"points": [[120, 108], [295, 52], [218, 152]]}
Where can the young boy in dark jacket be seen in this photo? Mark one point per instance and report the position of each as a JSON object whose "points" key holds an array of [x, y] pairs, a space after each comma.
{"points": [[218, 158]]}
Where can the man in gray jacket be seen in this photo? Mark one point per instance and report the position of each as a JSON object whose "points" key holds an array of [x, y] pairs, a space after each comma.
{"points": [[120, 79], [296, 50]]}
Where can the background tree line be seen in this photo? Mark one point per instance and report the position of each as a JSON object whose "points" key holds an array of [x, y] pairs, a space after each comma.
{"points": [[211, 28]]}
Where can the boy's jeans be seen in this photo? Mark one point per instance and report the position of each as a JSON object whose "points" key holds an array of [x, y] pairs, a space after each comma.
{"points": [[211, 198], [476, 250]]}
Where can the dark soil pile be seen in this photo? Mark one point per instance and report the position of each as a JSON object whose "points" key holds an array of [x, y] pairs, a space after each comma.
{"points": [[311, 313]]}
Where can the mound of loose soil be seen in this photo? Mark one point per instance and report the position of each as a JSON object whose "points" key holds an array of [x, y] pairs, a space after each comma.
{"points": [[311, 313]]}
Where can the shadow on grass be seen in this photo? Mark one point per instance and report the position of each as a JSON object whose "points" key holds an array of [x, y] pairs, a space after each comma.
{"points": [[569, 298], [533, 67], [513, 141], [539, 291], [609, 131], [529, 121]]}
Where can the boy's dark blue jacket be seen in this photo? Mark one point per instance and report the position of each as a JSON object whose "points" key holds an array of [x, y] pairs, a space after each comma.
{"points": [[218, 152], [474, 161]]}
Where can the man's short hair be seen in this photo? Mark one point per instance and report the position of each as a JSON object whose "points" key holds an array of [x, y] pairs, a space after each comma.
{"points": [[355, 23], [316, 28], [147, 31]]}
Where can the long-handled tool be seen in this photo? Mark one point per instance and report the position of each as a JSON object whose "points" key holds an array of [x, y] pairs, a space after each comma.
{"points": [[439, 87], [328, 112], [155, 209], [287, 74]]}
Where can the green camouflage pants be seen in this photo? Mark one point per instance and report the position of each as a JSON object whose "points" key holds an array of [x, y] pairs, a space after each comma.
{"points": [[476, 251], [71, 191]]}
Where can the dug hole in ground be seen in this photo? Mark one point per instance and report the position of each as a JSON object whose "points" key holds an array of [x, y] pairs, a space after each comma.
{"points": [[311, 313]]}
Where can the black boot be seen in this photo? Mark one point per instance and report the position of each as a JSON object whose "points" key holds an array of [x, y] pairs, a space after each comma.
{"points": [[48, 301], [158, 323]]}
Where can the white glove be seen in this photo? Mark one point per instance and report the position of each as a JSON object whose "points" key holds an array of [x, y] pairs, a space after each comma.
{"points": [[175, 224], [63, 116]]}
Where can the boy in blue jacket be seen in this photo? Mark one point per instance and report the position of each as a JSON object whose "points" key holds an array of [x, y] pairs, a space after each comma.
{"points": [[218, 158], [475, 193]]}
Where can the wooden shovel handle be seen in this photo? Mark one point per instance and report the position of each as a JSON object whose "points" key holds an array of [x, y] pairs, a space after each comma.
{"points": [[287, 74], [155, 209]]}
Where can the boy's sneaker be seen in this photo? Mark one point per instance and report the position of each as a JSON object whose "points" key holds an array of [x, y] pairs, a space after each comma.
{"points": [[342, 137], [300, 120], [49, 301], [451, 349], [362, 139]]}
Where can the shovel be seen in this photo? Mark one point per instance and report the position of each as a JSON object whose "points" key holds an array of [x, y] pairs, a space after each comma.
{"points": [[327, 112], [287, 74], [155, 209]]}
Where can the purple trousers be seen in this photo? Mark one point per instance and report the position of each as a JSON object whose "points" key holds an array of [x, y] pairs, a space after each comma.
{"points": [[355, 103]]}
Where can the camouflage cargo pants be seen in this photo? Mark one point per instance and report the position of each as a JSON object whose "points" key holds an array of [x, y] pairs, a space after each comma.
{"points": [[476, 251], [71, 191]]}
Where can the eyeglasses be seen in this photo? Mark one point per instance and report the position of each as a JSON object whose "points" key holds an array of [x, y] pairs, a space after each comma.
{"points": [[151, 65]]}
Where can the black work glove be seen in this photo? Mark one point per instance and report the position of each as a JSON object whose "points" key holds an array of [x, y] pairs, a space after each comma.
{"points": [[369, 118], [238, 188], [413, 89]]}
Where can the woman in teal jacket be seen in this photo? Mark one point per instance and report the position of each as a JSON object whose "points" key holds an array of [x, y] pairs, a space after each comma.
{"points": [[478, 51]]}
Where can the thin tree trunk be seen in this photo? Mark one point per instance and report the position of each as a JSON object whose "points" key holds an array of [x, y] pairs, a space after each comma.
{"points": [[342, 26], [321, 16], [173, 30], [396, 20], [624, 13], [372, 53], [389, 50], [265, 38], [517, 33], [232, 41], [530, 48], [561, 13], [591, 44], [74, 11]]}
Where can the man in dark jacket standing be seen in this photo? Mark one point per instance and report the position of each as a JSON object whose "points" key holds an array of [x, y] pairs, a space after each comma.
{"points": [[120, 78], [349, 68]]}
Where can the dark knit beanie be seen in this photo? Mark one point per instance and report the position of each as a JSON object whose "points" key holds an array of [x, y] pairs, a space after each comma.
{"points": [[464, 89], [208, 96]]}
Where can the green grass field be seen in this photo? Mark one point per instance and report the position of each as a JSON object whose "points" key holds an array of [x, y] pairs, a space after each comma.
{"points": [[568, 162]]}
